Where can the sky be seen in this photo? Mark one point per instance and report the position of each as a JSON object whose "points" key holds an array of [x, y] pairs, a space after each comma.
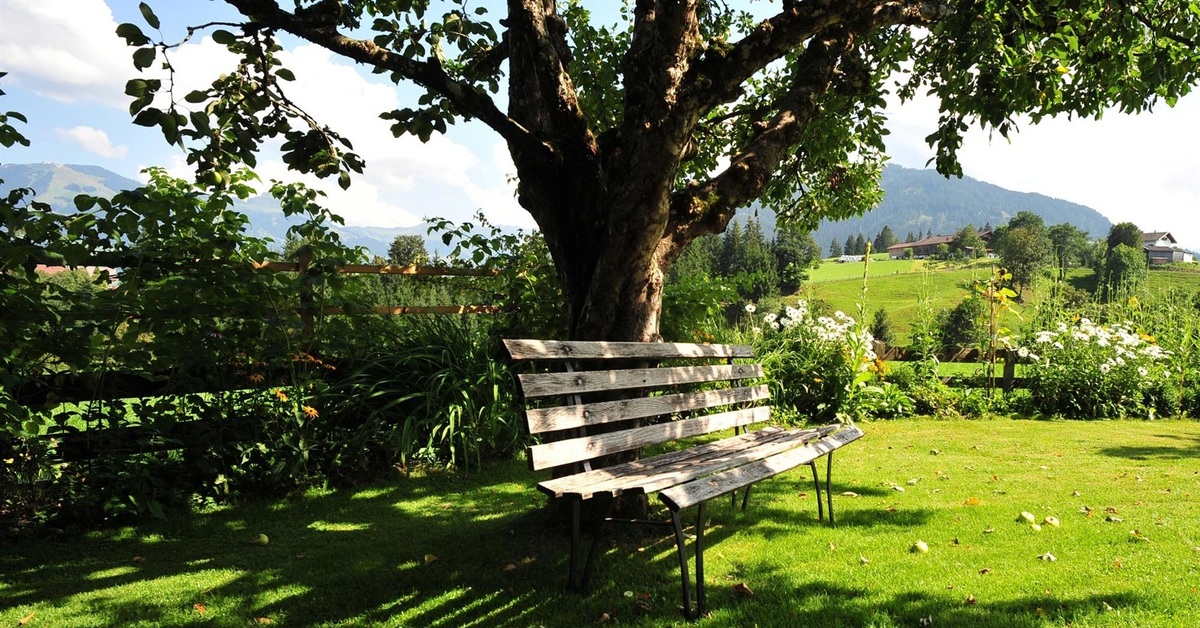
{"points": [[67, 71]]}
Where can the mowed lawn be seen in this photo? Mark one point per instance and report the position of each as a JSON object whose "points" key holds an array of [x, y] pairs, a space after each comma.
{"points": [[455, 550]]}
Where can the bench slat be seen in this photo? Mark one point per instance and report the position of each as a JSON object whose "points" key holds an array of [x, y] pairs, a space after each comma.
{"points": [[578, 350], [703, 489], [570, 417], [546, 384], [661, 472], [587, 447]]}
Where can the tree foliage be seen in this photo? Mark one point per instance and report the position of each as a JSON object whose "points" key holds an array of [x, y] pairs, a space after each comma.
{"points": [[1023, 247], [669, 120], [1125, 233]]}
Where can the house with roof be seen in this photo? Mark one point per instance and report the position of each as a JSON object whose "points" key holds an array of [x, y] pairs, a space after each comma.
{"points": [[1161, 248], [926, 247]]}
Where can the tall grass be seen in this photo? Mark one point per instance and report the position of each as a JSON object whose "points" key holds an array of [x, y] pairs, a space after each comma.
{"points": [[433, 391]]}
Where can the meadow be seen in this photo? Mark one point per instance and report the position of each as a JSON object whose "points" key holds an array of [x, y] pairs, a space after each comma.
{"points": [[458, 549]]}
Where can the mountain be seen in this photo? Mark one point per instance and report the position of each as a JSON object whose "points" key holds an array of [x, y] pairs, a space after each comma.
{"points": [[58, 184], [923, 200], [914, 200]]}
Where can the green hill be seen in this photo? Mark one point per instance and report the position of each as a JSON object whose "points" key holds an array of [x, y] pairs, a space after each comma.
{"points": [[923, 200]]}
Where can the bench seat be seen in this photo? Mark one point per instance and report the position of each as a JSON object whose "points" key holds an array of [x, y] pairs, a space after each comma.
{"points": [[604, 398]]}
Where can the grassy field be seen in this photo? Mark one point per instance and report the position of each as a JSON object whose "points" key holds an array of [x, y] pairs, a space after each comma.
{"points": [[453, 550], [895, 286]]}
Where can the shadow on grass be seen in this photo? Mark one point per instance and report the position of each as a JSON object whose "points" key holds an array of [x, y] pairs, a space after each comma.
{"points": [[826, 603], [428, 552], [1182, 447]]}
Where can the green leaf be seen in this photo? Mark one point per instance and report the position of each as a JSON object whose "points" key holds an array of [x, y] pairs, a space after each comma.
{"points": [[144, 58], [285, 74], [224, 37], [149, 15], [132, 35], [135, 87]]}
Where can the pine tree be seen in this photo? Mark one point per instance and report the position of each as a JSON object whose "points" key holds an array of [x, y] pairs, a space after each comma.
{"points": [[910, 237], [730, 262], [835, 249], [860, 245], [885, 239], [848, 247]]}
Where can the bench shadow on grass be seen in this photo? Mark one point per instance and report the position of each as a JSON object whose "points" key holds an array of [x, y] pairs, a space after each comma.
{"points": [[1181, 447], [475, 552], [353, 556]]}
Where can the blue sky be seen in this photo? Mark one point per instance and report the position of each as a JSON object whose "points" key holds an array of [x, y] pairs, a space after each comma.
{"points": [[67, 71]]}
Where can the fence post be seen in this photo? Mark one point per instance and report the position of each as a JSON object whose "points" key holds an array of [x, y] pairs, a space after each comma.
{"points": [[307, 313], [1010, 370]]}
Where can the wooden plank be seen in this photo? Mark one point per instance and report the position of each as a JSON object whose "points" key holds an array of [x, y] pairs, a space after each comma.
{"points": [[570, 417], [417, 309], [703, 489], [662, 472], [587, 447], [545, 384], [579, 350]]}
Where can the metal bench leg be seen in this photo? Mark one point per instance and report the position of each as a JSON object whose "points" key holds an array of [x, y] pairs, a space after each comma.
{"points": [[746, 497], [574, 582], [828, 485], [700, 556], [571, 582], [688, 611], [683, 564], [817, 486], [597, 537]]}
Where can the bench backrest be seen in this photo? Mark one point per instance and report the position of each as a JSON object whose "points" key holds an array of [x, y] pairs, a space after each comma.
{"points": [[632, 403]]}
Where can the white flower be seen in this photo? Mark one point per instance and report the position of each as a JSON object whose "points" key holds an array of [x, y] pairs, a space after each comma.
{"points": [[750, 308], [1058, 345], [1106, 367], [1142, 371], [770, 318], [1023, 352], [758, 330], [1102, 341]]}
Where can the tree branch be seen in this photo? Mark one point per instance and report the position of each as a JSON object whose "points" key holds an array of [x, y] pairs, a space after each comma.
{"points": [[429, 74], [707, 207], [718, 76]]}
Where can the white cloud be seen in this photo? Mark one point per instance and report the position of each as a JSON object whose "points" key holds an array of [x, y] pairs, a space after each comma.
{"points": [[66, 50], [405, 180], [93, 141]]}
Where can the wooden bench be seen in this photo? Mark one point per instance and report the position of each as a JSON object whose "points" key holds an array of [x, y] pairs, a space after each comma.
{"points": [[616, 399]]}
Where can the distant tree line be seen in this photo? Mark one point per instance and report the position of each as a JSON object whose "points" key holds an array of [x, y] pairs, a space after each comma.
{"points": [[755, 266], [857, 245]]}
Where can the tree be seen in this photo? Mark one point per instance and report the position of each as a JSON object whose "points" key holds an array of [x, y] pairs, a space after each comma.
{"points": [[1069, 245], [885, 239], [631, 141], [910, 237], [407, 250], [835, 249], [1023, 247], [795, 254], [1124, 270], [967, 243], [850, 247], [1125, 233], [860, 245]]}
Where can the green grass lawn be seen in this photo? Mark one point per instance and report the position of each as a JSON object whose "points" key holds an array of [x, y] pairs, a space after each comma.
{"points": [[456, 550]]}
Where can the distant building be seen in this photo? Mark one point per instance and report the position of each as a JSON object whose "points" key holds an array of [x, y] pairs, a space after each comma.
{"points": [[926, 247], [1161, 248]]}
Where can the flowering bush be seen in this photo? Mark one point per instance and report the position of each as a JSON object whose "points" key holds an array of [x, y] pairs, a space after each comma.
{"points": [[1086, 370], [824, 366]]}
